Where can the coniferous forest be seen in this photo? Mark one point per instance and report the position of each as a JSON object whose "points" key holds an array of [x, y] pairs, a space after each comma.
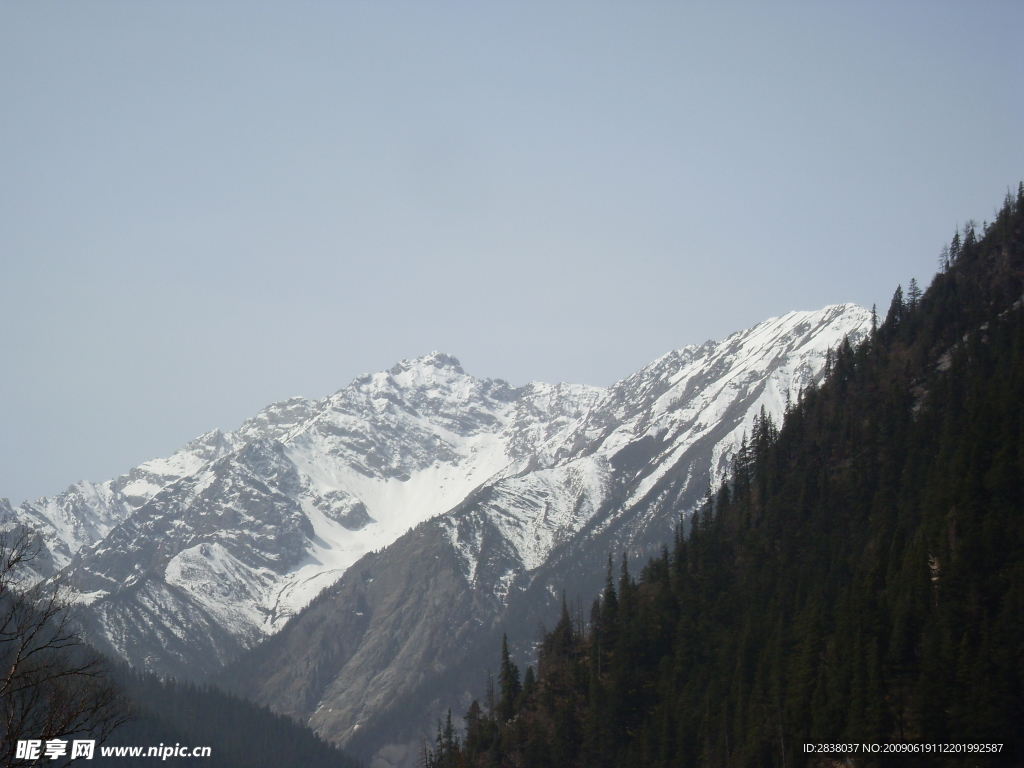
{"points": [[858, 578]]}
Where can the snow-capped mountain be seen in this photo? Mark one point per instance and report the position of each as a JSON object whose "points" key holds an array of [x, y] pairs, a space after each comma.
{"points": [[223, 554], [613, 472], [401, 481]]}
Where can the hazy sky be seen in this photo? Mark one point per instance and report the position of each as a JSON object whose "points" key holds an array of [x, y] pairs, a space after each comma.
{"points": [[206, 207]]}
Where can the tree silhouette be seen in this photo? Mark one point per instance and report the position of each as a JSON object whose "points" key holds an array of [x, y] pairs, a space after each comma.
{"points": [[52, 685]]}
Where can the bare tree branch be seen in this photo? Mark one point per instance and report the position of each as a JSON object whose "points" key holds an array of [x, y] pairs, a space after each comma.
{"points": [[52, 684]]}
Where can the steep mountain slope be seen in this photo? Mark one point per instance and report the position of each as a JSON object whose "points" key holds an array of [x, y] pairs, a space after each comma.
{"points": [[404, 625]]}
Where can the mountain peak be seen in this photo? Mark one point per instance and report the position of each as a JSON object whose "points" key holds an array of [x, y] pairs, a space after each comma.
{"points": [[433, 359]]}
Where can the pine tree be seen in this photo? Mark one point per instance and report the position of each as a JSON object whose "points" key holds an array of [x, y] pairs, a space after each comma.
{"points": [[896, 311], [913, 294], [508, 684]]}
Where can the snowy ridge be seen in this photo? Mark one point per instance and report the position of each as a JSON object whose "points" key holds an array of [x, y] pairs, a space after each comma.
{"points": [[677, 405], [86, 512]]}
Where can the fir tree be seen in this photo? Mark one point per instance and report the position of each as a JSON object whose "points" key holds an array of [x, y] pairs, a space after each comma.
{"points": [[913, 294], [508, 683]]}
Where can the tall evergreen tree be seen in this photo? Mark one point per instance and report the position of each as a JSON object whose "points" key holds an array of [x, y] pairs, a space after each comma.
{"points": [[508, 684]]}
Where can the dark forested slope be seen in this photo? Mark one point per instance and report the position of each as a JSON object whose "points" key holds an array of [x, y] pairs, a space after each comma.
{"points": [[240, 734], [860, 578]]}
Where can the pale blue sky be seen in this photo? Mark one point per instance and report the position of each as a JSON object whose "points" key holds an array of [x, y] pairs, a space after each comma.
{"points": [[206, 207]]}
